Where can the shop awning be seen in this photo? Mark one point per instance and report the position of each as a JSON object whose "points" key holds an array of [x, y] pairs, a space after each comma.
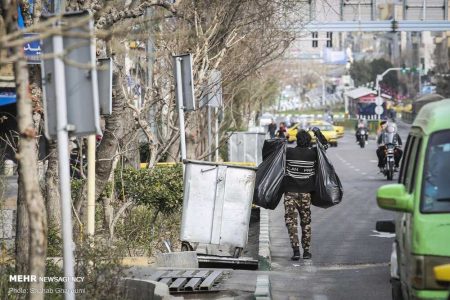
{"points": [[6, 99], [360, 92]]}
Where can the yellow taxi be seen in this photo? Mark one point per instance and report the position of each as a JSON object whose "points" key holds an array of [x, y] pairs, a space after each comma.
{"points": [[327, 130], [339, 129]]}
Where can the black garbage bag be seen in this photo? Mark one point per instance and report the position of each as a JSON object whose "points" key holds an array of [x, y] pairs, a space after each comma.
{"points": [[270, 174], [329, 189]]}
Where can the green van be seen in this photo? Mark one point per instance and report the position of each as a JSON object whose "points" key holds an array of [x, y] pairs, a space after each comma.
{"points": [[422, 197]]}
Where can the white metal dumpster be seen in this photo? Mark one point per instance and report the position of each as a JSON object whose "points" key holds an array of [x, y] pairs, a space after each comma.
{"points": [[246, 147], [217, 203]]}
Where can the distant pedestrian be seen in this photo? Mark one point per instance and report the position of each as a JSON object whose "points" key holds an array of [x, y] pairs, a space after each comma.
{"points": [[298, 184], [272, 129], [281, 133]]}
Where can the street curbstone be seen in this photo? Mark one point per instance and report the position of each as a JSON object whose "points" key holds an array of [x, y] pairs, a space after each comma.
{"points": [[263, 288], [264, 240], [145, 289]]}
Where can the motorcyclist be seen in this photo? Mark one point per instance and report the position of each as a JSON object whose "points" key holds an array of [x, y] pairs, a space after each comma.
{"points": [[389, 135], [361, 126]]}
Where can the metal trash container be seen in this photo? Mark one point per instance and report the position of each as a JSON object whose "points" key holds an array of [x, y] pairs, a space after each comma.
{"points": [[246, 146], [217, 204]]}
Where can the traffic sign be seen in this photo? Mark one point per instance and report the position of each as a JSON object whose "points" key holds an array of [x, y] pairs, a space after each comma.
{"points": [[32, 49], [379, 101], [379, 110]]}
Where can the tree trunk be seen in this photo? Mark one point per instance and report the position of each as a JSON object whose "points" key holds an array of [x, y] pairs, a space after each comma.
{"points": [[30, 193], [53, 205], [108, 211], [22, 228], [174, 151], [116, 128], [130, 143]]}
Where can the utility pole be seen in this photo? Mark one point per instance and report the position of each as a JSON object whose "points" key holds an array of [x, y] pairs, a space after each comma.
{"points": [[64, 170], [209, 132], [323, 91], [380, 78], [64, 158], [216, 110], [91, 185], [180, 109], [377, 84], [150, 61], [323, 86]]}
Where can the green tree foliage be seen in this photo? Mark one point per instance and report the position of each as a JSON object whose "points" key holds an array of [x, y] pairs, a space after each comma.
{"points": [[160, 188], [364, 72], [443, 87], [378, 66], [361, 72]]}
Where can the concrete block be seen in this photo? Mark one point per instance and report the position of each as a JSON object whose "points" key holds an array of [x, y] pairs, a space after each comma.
{"points": [[262, 290], [186, 259], [136, 289]]}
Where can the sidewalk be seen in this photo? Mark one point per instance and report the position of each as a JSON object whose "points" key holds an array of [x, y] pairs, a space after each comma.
{"points": [[280, 246]]}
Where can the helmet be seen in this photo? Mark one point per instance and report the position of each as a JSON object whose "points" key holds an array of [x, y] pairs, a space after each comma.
{"points": [[391, 128]]}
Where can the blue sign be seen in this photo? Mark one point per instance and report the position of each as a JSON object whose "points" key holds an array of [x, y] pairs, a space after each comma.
{"points": [[7, 98], [32, 49]]}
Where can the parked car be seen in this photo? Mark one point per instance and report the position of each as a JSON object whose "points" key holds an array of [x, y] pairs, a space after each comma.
{"points": [[422, 198], [327, 130], [339, 129]]}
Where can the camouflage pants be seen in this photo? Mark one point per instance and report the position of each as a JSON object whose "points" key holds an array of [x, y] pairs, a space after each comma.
{"points": [[302, 203]]}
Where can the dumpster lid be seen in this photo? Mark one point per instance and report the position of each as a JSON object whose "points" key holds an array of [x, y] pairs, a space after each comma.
{"points": [[240, 165]]}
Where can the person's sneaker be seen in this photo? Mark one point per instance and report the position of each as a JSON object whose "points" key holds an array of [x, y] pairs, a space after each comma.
{"points": [[307, 255], [396, 169], [296, 255], [381, 169]]}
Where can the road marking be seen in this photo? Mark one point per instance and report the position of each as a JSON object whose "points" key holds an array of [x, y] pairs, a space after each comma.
{"points": [[320, 297], [382, 234], [371, 177], [313, 268], [357, 170], [364, 173], [373, 161]]}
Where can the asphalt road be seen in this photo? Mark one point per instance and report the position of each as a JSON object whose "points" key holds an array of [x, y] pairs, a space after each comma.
{"points": [[350, 259]]}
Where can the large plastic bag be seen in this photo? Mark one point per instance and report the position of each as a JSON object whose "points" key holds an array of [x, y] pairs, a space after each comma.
{"points": [[270, 174], [328, 187]]}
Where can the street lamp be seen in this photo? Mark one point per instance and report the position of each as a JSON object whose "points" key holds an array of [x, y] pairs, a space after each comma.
{"points": [[380, 78], [323, 85]]}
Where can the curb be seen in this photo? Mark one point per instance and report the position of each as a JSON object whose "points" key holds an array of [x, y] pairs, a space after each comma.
{"points": [[264, 240], [262, 291], [145, 289]]}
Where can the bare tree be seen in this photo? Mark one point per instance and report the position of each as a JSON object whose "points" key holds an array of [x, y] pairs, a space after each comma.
{"points": [[236, 37], [30, 259]]}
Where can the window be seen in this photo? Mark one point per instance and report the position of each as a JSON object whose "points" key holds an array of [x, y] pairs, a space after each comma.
{"points": [[324, 127], [435, 197], [315, 42], [329, 40], [410, 173], [404, 166]]}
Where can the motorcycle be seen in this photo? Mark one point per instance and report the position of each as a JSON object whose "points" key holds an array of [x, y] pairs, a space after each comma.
{"points": [[389, 161], [361, 136]]}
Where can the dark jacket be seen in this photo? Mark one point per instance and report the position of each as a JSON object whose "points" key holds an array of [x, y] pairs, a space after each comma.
{"points": [[300, 170], [397, 140], [272, 128]]}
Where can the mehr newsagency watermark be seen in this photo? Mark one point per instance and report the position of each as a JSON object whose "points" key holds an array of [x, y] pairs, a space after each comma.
{"points": [[34, 278]]}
